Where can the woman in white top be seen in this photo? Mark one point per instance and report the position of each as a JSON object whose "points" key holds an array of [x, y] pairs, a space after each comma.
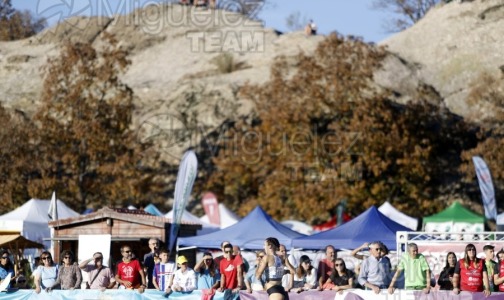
{"points": [[45, 275], [184, 279], [305, 276], [273, 267]]}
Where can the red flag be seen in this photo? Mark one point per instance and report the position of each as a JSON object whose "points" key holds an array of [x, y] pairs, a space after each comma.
{"points": [[211, 207]]}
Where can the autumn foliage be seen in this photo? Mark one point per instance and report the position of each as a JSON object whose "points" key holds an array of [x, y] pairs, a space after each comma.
{"points": [[324, 134], [16, 25]]}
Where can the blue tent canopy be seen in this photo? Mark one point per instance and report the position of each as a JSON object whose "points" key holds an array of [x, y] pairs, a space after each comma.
{"points": [[153, 210], [369, 226], [249, 233]]}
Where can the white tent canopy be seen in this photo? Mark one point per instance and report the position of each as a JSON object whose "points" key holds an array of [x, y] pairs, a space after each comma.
{"points": [[31, 219], [227, 217], [391, 212], [188, 217], [298, 226]]}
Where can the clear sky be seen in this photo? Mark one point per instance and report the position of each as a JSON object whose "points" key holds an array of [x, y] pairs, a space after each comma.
{"points": [[348, 17]]}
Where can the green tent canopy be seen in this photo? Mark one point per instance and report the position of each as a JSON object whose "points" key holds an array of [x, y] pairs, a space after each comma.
{"points": [[455, 213], [454, 218]]}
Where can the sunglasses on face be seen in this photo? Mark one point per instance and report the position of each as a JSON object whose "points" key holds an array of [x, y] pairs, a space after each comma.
{"points": [[471, 249], [5, 257], [127, 251], [228, 251], [45, 258]]}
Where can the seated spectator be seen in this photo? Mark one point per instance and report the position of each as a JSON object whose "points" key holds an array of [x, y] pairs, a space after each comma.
{"points": [[311, 28], [231, 270], [130, 275], [416, 270], [162, 275], [305, 276], [288, 276], [6, 267], [100, 276], [445, 280], [207, 274], [251, 282], [22, 283], [341, 278], [375, 273], [185, 278], [69, 275], [46, 274], [326, 265]]}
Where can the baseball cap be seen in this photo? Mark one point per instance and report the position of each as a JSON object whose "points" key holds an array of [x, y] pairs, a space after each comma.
{"points": [[181, 259]]}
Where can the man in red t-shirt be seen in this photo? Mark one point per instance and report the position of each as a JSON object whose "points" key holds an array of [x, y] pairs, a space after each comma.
{"points": [[231, 270], [130, 273]]}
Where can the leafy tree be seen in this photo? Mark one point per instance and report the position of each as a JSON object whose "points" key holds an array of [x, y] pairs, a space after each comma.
{"points": [[16, 167], [487, 99], [87, 149], [324, 134], [15, 25], [408, 11]]}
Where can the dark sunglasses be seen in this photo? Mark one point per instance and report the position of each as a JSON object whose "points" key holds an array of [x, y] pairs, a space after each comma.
{"points": [[129, 251], [228, 251], [471, 249], [21, 281], [5, 257], [45, 258], [337, 265]]}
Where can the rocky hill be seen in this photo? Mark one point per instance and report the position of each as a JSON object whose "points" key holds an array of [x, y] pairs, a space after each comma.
{"points": [[188, 64], [450, 48]]}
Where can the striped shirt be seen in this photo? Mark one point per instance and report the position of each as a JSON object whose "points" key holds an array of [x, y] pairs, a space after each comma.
{"points": [[162, 274]]}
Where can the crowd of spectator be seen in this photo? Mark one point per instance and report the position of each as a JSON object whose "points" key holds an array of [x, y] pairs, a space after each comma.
{"points": [[271, 271]]}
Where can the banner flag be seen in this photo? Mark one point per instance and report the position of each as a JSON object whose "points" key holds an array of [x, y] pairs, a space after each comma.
{"points": [[211, 207], [486, 187], [53, 208], [183, 187]]}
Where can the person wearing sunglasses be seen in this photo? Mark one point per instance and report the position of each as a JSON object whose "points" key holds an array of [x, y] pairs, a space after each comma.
{"points": [[130, 275], [46, 274], [251, 282], [341, 278], [208, 276], [416, 270], [470, 273], [6, 267], [69, 275], [231, 271], [100, 277], [375, 271]]}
